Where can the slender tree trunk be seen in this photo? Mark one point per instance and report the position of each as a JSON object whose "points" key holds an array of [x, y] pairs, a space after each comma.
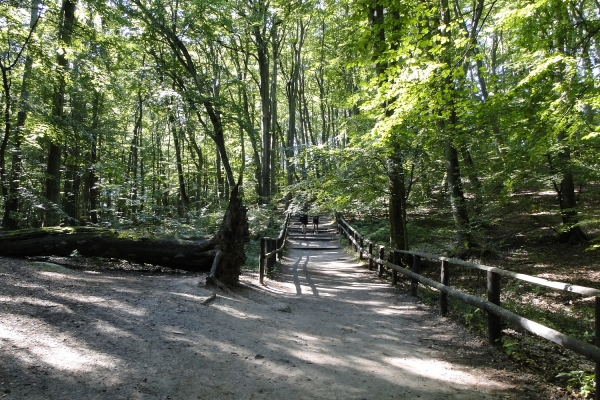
{"points": [[199, 163], [457, 197], [273, 106], [6, 85], [567, 200], [10, 219], [67, 21], [71, 187], [252, 134], [320, 79], [90, 192], [395, 161], [292, 95], [220, 181], [265, 118], [565, 190], [183, 197], [291, 133], [134, 167], [397, 200]]}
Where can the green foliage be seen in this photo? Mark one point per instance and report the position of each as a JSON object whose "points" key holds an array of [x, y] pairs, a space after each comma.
{"points": [[583, 382], [475, 319], [512, 348], [375, 230]]}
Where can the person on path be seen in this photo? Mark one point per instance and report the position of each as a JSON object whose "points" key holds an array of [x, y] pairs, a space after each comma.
{"points": [[316, 224], [304, 222]]}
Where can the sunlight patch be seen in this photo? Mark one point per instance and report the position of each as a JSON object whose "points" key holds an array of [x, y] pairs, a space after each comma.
{"points": [[59, 351], [443, 371]]}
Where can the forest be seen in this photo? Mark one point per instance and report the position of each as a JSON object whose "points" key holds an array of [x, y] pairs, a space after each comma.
{"points": [[178, 133], [135, 114]]}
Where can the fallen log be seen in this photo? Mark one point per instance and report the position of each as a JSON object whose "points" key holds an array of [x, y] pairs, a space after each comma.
{"points": [[189, 255]]}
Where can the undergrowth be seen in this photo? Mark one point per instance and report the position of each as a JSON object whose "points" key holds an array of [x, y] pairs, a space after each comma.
{"points": [[565, 312]]}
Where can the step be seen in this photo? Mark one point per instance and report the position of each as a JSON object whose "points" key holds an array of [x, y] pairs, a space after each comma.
{"points": [[315, 248], [312, 238]]}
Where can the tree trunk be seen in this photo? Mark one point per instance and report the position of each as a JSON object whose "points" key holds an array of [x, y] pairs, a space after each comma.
{"points": [[190, 255], [71, 189], [571, 232], [292, 95], [264, 89], [10, 219], [397, 200], [565, 189], [395, 162], [67, 22], [93, 242], [457, 198], [273, 98], [183, 197], [231, 237], [90, 192]]}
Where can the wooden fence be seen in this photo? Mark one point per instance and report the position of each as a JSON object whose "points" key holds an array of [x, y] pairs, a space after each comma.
{"points": [[495, 313], [271, 249]]}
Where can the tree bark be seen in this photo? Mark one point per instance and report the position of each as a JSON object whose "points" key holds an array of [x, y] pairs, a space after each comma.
{"points": [[189, 255], [571, 232], [92, 242], [10, 189], [184, 200], [265, 120], [457, 198], [55, 152], [397, 200]]}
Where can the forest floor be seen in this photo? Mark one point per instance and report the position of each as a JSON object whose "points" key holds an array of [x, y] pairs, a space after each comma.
{"points": [[518, 234], [325, 327]]}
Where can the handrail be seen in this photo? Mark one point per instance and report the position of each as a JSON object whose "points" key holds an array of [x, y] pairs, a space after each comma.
{"points": [[567, 287], [523, 277], [492, 305], [271, 248]]}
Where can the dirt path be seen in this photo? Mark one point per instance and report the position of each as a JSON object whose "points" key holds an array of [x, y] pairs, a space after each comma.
{"points": [[326, 329]]}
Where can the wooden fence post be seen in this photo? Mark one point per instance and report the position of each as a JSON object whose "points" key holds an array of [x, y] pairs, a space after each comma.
{"points": [[360, 251], [261, 261], [396, 261], [444, 279], [370, 256], [270, 259], [381, 257], [416, 266], [493, 296]]}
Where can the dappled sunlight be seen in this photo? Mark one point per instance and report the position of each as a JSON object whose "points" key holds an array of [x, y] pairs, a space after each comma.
{"points": [[111, 330], [391, 311], [327, 329], [191, 297], [51, 350], [37, 303], [236, 313], [441, 371], [107, 303]]}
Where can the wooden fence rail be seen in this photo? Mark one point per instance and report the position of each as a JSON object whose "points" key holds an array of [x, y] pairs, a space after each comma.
{"points": [[271, 249], [495, 312]]}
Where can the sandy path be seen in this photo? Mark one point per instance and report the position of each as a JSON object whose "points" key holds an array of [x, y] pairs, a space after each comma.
{"points": [[326, 329]]}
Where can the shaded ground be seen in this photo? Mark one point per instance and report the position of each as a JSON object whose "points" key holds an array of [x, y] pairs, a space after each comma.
{"points": [[518, 233], [326, 328]]}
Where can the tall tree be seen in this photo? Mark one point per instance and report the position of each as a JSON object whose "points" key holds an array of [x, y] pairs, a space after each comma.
{"points": [[11, 182], [53, 182]]}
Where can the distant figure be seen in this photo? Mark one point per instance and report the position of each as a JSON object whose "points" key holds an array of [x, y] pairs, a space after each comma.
{"points": [[316, 224], [304, 222]]}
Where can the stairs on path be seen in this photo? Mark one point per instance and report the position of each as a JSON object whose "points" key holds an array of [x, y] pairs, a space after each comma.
{"points": [[325, 239]]}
